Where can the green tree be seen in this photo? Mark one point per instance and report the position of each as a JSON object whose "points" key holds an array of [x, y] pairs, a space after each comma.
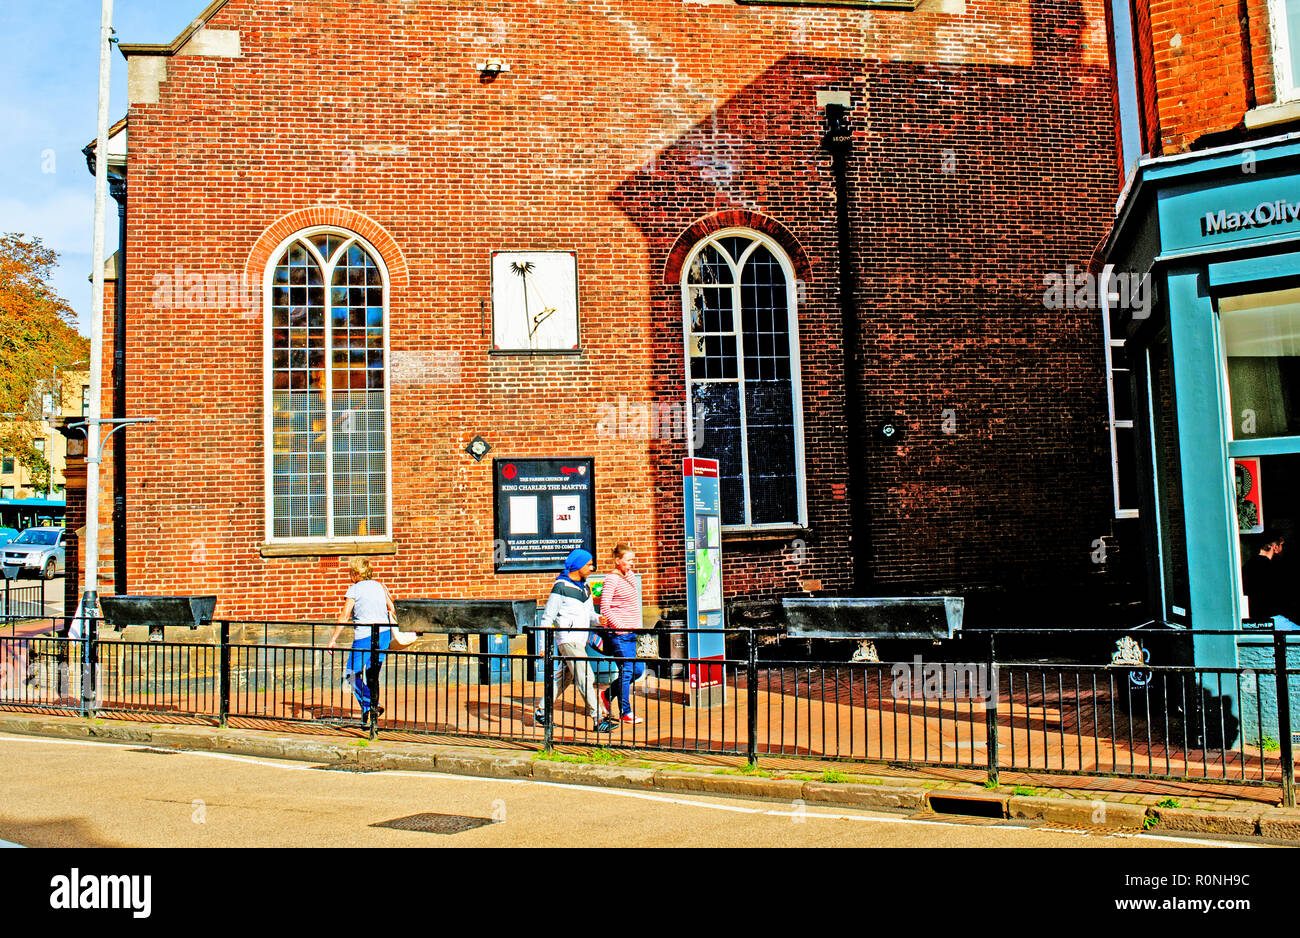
{"points": [[38, 339]]}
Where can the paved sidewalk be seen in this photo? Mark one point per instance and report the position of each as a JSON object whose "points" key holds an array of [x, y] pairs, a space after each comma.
{"points": [[1056, 801]]}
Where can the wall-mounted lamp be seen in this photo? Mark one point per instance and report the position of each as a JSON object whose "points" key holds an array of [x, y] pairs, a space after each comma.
{"points": [[491, 68], [478, 448]]}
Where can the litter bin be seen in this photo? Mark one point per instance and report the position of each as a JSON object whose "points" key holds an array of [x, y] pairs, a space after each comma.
{"points": [[494, 670], [677, 648]]}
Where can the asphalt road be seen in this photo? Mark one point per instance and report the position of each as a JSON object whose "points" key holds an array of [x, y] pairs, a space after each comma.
{"points": [[56, 793]]}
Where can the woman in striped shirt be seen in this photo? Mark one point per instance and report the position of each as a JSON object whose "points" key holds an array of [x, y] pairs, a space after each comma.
{"points": [[620, 609]]}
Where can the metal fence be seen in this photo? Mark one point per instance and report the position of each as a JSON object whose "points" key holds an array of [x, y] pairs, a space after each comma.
{"points": [[995, 714], [22, 601]]}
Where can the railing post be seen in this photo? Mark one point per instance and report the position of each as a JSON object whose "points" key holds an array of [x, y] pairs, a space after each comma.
{"points": [[548, 690], [1284, 719], [751, 697], [991, 712], [372, 681], [223, 678], [88, 666]]}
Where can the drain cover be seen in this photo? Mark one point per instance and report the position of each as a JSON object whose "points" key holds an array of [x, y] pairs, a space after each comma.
{"points": [[348, 767], [436, 823], [158, 752]]}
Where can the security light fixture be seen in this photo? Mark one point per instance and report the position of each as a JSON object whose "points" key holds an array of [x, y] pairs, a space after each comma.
{"points": [[478, 448], [492, 68]]}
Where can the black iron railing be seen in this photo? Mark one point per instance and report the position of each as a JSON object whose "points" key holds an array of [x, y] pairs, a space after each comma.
{"points": [[995, 714]]}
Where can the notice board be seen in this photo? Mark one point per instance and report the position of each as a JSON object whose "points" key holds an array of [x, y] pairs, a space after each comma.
{"points": [[544, 509]]}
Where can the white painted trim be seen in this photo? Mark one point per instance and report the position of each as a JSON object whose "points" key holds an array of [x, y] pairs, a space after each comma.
{"points": [[796, 367], [1112, 424], [348, 236]]}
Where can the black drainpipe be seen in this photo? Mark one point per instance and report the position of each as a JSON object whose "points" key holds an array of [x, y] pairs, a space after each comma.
{"points": [[838, 141], [117, 187]]}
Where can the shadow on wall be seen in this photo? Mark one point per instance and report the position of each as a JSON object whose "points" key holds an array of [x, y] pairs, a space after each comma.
{"points": [[963, 196]]}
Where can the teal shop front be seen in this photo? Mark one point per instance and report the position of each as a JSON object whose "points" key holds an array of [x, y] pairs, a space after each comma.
{"points": [[1214, 356]]}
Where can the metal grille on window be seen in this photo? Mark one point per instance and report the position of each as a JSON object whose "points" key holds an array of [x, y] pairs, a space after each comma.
{"points": [[740, 337], [329, 476]]}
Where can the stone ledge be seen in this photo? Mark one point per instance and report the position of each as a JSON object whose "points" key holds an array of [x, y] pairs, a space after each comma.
{"points": [[605, 776], [313, 549], [1098, 813], [865, 796], [780, 788], [1209, 822], [1269, 114]]}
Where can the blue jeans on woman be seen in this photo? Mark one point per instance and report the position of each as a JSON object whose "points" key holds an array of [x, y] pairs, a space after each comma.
{"points": [[629, 671], [359, 671]]}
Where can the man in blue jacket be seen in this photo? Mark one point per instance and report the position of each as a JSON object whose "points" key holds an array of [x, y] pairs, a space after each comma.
{"points": [[572, 614]]}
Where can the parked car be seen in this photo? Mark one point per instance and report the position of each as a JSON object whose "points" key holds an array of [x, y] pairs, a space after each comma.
{"points": [[7, 535], [36, 550]]}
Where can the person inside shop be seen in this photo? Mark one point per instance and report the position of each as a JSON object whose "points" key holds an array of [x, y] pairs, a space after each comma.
{"points": [[1265, 588]]}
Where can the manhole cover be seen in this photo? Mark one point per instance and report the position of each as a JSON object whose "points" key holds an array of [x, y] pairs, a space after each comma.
{"points": [[348, 767], [436, 823], [158, 752]]}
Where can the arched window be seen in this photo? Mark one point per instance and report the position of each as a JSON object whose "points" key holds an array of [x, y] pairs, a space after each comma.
{"points": [[742, 363], [327, 389]]}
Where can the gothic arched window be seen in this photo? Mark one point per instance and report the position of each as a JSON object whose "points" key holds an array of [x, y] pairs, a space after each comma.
{"points": [[742, 374], [327, 389]]}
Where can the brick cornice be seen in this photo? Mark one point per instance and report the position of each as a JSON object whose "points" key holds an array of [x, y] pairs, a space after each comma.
{"points": [[735, 218], [334, 216]]}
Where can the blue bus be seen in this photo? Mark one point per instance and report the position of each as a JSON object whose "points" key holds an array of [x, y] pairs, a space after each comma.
{"points": [[23, 513]]}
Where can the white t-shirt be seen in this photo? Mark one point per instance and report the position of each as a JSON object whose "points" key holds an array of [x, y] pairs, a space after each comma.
{"points": [[369, 604]]}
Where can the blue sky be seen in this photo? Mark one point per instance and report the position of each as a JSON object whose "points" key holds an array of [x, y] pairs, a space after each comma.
{"points": [[50, 73]]}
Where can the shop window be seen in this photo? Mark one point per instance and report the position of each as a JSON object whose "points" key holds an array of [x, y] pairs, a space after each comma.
{"points": [[327, 338], [1261, 339], [743, 376], [1284, 17]]}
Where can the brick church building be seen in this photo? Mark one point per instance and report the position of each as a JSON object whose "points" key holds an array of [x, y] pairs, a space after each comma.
{"points": [[809, 240]]}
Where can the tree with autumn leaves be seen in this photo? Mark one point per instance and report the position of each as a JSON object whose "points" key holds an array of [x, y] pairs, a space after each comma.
{"points": [[38, 340]]}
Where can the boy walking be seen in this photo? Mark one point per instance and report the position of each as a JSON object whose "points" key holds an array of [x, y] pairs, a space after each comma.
{"points": [[570, 611]]}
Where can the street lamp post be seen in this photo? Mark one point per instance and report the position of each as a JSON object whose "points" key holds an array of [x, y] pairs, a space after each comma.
{"points": [[90, 592]]}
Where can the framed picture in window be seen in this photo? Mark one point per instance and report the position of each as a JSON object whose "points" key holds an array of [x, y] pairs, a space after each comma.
{"points": [[535, 301], [1250, 497]]}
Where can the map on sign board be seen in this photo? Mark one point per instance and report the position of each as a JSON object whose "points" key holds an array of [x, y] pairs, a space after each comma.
{"points": [[708, 565]]}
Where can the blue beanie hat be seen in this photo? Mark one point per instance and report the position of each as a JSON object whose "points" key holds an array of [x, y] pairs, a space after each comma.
{"points": [[577, 559]]}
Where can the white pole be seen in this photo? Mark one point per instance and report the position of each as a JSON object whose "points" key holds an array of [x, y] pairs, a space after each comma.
{"points": [[89, 596]]}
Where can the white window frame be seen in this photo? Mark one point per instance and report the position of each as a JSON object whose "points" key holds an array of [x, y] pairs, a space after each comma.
{"points": [[1284, 81], [796, 384], [1106, 298], [305, 235]]}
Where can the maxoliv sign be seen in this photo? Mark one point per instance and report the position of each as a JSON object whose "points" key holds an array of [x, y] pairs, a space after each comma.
{"points": [[1277, 212]]}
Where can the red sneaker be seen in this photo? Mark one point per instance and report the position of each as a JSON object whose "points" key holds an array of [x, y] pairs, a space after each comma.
{"points": [[632, 718]]}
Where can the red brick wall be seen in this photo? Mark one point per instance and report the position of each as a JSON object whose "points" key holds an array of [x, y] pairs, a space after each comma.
{"points": [[618, 128], [1204, 63]]}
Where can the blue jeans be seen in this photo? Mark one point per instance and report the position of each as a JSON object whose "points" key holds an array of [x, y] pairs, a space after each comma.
{"points": [[359, 671], [629, 671]]}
